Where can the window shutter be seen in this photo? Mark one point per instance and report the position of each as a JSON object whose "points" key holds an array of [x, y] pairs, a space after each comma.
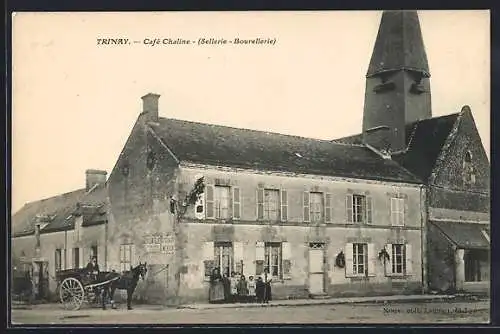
{"points": [[56, 261], [260, 251], [209, 201], [236, 203], [349, 270], [393, 210], [388, 263], [260, 204], [208, 250], [238, 251], [405, 211], [81, 259], [286, 251], [409, 260], [368, 201], [132, 255], [70, 258], [199, 207], [284, 205], [348, 208], [372, 259], [328, 208], [259, 258], [305, 202]]}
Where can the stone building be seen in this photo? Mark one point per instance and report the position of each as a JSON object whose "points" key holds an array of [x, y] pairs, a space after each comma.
{"points": [[61, 232], [289, 204], [445, 152]]}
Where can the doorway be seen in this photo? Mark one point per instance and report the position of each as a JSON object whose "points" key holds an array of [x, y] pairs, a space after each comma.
{"points": [[316, 268]]}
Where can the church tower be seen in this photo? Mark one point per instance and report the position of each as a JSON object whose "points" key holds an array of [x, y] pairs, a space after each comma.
{"points": [[397, 82]]}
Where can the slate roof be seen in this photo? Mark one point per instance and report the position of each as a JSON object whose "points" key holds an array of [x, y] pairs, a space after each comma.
{"points": [[465, 235], [235, 147], [424, 139], [61, 211], [399, 44]]}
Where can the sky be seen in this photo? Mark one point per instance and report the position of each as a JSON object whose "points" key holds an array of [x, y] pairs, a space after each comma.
{"points": [[75, 102]]}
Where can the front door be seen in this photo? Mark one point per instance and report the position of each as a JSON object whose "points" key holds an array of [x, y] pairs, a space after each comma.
{"points": [[316, 270]]}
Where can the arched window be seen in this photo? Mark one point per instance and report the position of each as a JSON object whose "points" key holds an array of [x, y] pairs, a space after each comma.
{"points": [[469, 175]]}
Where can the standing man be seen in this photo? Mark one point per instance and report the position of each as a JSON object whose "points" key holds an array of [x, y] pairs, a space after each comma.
{"points": [[93, 272]]}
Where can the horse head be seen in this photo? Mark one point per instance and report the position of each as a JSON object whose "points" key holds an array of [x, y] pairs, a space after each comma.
{"points": [[141, 269]]}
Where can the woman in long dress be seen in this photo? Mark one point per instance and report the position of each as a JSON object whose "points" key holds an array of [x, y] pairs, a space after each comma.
{"points": [[216, 290]]}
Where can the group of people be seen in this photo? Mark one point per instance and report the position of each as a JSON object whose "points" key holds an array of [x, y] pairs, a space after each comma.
{"points": [[236, 288]]}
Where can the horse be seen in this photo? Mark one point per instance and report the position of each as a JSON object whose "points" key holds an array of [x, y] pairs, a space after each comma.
{"points": [[126, 281]]}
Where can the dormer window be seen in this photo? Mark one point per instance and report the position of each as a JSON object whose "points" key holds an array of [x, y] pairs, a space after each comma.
{"points": [[151, 160], [469, 175], [125, 168]]}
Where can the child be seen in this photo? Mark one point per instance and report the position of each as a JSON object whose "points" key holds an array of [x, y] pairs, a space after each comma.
{"points": [[251, 289], [234, 286]]}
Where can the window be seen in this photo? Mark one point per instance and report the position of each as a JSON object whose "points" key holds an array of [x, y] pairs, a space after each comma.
{"points": [[360, 259], [76, 257], [469, 175], [271, 204], [272, 259], [359, 209], [126, 255], [398, 259], [316, 207], [397, 211], [474, 261], [224, 259], [222, 202], [58, 260], [93, 252]]}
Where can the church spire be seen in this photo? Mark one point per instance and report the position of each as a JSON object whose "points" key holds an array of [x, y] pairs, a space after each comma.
{"points": [[397, 82], [399, 45]]}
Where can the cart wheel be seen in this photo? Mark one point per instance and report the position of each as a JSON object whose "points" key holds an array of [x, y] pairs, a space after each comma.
{"points": [[71, 293]]}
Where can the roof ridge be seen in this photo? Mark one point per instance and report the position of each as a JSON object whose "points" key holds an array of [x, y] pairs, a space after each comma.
{"points": [[52, 197], [247, 129]]}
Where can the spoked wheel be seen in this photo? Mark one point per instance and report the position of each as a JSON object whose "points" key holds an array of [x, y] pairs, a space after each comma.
{"points": [[71, 293]]}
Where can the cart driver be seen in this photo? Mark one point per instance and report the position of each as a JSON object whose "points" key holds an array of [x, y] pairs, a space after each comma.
{"points": [[93, 268]]}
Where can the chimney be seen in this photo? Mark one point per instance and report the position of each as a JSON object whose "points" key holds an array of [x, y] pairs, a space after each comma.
{"points": [[150, 106], [94, 177]]}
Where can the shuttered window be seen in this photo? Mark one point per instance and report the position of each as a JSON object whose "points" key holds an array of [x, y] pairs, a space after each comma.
{"points": [[359, 209], [316, 207], [222, 202], [224, 257], [397, 211], [271, 204], [127, 253], [272, 259], [359, 259], [400, 260]]}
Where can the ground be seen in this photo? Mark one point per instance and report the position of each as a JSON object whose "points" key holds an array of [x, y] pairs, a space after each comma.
{"points": [[409, 313]]}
